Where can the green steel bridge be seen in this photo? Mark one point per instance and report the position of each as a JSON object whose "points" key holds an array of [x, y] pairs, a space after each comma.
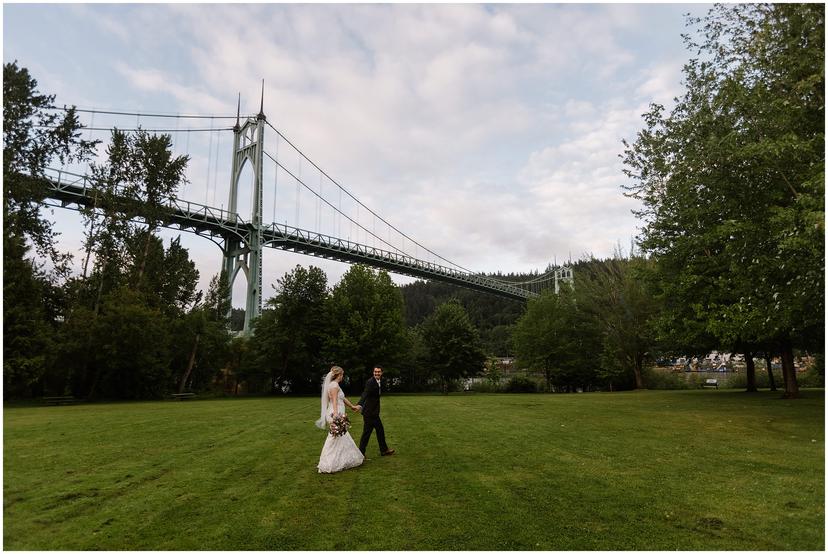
{"points": [[242, 240]]}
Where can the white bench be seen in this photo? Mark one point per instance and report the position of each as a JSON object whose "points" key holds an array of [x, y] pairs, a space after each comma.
{"points": [[711, 383]]}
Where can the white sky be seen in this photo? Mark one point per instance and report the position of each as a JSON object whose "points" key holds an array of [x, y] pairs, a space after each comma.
{"points": [[489, 133]]}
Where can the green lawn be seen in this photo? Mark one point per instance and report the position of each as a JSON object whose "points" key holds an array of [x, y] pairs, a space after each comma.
{"points": [[688, 470]]}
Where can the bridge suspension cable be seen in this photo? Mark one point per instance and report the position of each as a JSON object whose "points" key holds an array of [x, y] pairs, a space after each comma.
{"points": [[135, 129], [139, 115], [148, 115], [372, 212], [212, 175], [299, 181], [539, 279]]}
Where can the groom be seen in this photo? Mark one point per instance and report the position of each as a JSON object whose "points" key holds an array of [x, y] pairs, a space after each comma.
{"points": [[369, 404]]}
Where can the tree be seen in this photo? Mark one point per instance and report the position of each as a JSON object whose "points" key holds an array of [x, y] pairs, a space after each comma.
{"points": [[171, 277], [492, 315], [367, 322], [288, 337], [158, 175], [452, 344], [138, 180], [732, 182], [27, 327], [34, 135], [132, 348], [615, 294], [205, 329], [556, 337], [414, 371]]}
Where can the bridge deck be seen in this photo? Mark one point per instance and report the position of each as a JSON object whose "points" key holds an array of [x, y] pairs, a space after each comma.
{"points": [[72, 191]]}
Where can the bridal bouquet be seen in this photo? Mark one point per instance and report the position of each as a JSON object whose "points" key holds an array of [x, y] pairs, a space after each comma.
{"points": [[339, 425]]}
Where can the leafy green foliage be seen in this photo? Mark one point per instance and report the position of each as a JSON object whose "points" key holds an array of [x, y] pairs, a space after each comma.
{"points": [[614, 294], [27, 332], [493, 315], [288, 337], [413, 372], [732, 184], [33, 137], [133, 348], [558, 338], [520, 383], [139, 179], [205, 329], [453, 348], [367, 323]]}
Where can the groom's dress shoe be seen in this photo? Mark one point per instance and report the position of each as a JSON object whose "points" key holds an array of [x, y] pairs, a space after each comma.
{"points": [[388, 452]]}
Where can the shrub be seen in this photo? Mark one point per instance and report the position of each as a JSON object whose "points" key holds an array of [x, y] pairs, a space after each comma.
{"points": [[487, 386], [520, 383], [811, 378], [663, 380], [739, 380]]}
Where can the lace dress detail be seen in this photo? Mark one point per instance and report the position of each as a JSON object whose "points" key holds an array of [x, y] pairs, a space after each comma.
{"points": [[339, 452]]}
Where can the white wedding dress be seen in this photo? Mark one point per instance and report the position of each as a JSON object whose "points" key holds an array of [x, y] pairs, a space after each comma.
{"points": [[339, 452]]}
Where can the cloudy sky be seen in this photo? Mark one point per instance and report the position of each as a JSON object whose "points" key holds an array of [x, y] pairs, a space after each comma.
{"points": [[488, 133]]}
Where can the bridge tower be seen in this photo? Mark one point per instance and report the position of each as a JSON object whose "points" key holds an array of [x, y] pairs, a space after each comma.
{"points": [[246, 254], [563, 274]]}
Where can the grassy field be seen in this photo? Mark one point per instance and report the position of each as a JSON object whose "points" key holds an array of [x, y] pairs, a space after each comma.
{"points": [[689, 470]]}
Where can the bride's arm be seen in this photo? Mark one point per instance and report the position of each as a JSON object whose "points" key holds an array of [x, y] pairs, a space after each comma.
{"points": [[348, 403]]}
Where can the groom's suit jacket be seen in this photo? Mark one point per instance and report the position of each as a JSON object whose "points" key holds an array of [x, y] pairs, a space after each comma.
{"points": [[370, 399]]}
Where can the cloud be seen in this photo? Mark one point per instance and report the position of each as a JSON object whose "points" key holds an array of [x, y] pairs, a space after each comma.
{"points": [[576, 183], [661, 82], [490, 133], [398, 103], [157, 81]]}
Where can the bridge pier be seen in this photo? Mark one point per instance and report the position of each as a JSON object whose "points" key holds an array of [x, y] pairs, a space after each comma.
{"points": [[246, 254]]}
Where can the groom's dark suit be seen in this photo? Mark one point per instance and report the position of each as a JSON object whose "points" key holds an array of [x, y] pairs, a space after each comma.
{"points": [[370, 402]]}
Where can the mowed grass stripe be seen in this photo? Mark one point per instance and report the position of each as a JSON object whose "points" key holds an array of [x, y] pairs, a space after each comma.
{"points": [[686, 470]]}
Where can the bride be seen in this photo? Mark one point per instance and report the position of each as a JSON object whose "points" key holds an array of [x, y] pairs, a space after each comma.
{"points": [[339, 452]]}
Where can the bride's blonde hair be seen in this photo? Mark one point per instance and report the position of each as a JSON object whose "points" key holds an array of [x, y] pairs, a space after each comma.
{"points": [[336, 371]]}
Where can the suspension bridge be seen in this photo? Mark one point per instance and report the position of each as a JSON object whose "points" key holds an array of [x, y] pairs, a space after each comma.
{"points": [[242, 240]]}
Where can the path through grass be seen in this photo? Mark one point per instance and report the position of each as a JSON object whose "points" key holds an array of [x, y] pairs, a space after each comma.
{"points": [[689, 470]]}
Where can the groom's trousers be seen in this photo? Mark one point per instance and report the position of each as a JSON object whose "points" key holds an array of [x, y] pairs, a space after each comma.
{"points": [[372, 423]]}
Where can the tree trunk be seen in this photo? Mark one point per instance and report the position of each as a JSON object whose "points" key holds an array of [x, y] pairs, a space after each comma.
{"points": [[639, 382], [91, 233], [788, 371], [285, 365], [143, 265], [190, 365], [750, 370], [88, 253], [95, 312], [770, 371]]}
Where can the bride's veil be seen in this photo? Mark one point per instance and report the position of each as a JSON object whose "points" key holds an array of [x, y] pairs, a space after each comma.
{"points": [[324, 401]]}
